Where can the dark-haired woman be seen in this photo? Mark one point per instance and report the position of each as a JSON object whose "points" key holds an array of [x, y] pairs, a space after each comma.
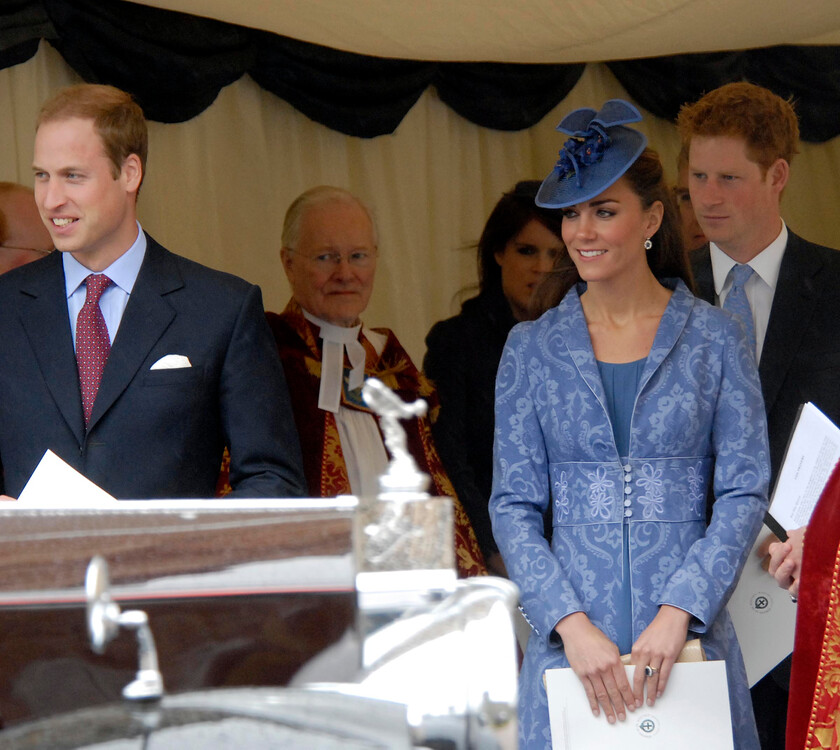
{"points": [[518, 246], [616, 409]]}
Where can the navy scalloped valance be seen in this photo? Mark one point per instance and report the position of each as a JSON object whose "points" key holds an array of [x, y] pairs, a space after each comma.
{"points": [[175, 65]]}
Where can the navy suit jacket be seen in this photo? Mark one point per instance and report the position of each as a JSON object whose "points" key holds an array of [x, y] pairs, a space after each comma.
{"points": [[800, 360], [153, 433]]}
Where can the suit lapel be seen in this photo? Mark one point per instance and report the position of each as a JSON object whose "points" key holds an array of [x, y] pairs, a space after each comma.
{"points": [[701, 266], [144, 321], [797, 289], [44, 317]]}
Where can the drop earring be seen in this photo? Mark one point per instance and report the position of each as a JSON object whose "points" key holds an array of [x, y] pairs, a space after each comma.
{"points": [[648, 244]]}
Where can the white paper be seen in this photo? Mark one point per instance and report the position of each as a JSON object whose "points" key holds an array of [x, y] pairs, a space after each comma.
{"points": [[56, 484], [812, 453], [693, 714], [763, 615]]}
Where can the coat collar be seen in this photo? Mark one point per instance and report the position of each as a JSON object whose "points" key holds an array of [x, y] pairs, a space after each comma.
{"points": [[571, 326], [701, 266], [43, 315], [798, 289]]}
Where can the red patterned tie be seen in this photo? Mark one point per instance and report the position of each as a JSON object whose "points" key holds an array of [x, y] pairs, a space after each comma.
{"points": [[92, 342]]}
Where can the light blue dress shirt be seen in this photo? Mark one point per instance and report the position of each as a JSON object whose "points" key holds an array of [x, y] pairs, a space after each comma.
{"points": [[760, 287], [122, 272]]}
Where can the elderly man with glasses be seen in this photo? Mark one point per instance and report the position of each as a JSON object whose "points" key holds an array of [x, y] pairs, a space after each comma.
{"points": [[23, 236], [329, 255]]}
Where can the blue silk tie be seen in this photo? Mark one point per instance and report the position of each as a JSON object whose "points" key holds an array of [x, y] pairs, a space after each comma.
{"points": [[737, 303]]}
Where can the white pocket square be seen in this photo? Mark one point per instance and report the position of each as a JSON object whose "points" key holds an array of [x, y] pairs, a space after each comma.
{"points": [[172, 362]]}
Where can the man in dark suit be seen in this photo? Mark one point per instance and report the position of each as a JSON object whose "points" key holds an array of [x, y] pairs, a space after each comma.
{"points": [[741, 140], [134, 365]]}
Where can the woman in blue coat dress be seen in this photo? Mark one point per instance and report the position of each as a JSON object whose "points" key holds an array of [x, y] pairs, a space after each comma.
{"points": [[618, 408]]}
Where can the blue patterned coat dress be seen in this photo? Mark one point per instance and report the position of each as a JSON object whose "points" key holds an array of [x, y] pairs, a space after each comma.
{"points": [[698, 418]]}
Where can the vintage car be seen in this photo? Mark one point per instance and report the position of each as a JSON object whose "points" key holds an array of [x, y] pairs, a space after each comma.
{"points": [[252, 624], [237, 594]]}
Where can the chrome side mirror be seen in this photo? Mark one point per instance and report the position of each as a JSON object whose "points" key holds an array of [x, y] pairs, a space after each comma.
{"points": [[104, 620]]}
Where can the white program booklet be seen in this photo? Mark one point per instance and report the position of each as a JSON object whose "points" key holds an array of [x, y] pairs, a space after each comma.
{"points": [[56, 484], [693, 714], [763, 615], [811, 455]]}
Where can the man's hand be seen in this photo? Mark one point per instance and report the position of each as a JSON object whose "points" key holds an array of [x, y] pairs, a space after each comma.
{"points": [[763, 550], [786, 560]]}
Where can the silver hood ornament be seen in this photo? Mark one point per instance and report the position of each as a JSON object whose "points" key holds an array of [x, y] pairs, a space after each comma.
{"points": [[402, 474]]}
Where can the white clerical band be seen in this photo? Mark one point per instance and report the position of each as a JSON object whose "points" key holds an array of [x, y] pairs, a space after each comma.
{"points": [[337, 340]]}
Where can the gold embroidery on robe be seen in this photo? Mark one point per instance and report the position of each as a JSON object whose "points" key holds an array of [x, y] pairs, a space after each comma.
{"points": [[324, 465], [824, 724]]}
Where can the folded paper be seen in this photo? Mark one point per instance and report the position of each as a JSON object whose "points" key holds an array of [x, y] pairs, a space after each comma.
{"points": [[693, 714], [56, 484]]}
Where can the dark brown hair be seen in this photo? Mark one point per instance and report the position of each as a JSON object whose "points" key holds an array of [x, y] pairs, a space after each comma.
{"points": [[509, 216], [667, 258]]}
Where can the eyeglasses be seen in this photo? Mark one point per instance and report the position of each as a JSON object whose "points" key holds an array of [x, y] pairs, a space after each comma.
{"points": [[357, 259], [27, 249]]}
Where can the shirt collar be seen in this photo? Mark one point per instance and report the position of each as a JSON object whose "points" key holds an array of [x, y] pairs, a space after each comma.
{"points": [[330, 331], [766, 264], [123, 271], [336, 341]]}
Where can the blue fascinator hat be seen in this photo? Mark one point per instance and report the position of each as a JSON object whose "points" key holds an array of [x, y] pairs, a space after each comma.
{"points": [[599, 151]]}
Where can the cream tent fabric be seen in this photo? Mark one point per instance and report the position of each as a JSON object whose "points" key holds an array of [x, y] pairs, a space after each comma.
{"points": [[218, 185], [531, 30]]}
